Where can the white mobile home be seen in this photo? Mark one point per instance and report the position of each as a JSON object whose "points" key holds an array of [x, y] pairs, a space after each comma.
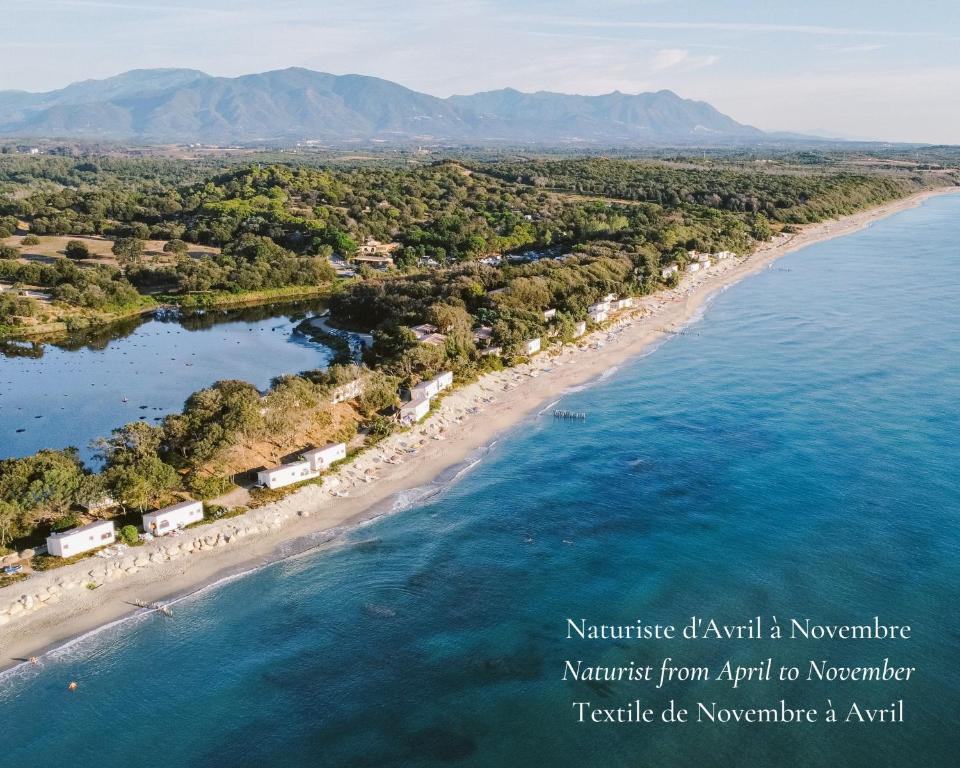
{"points": [[322, 458], [432, 387], [286, 474], [598, 314], [531, 347], [549, 314], [414, 411], [170, 519], [82, 539], [600, 306], [347, 391], [625, 303], [667, 271], [579, 329], [693, 266]]}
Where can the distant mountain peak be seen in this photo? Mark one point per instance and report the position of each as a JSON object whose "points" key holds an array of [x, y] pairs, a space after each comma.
{"points": [[293, 104]]}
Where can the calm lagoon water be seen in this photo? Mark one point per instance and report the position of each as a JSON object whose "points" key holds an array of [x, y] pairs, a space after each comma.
{"points": [[795, 455], [52, 396]]}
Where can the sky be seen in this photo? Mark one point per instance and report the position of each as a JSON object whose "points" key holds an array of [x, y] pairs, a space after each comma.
{"points": [[855, 69]]}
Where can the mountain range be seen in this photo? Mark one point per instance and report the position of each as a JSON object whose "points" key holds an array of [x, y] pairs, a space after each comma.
{"points": [[188, 106]]}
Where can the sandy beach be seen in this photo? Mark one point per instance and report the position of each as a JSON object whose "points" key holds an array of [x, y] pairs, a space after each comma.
{"points": [[371, 485]]}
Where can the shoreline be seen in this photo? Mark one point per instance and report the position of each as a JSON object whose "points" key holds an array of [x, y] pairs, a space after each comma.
{"points": [[469, 420]]}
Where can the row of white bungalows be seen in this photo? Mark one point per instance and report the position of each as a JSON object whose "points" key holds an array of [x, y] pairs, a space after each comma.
{"points": [[413, 411], [312, 463], [170, 519], [599, 312], [418, 406], [531, 346], [432, 387], [82, 539]]}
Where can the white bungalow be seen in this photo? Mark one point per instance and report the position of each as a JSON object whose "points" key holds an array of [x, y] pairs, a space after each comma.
{"points": [[321, 458], [693, 266], [100, 503], [375, 260], [347, 391], [608, 298], [413, 411], [549, 314], [598, 314], [724, 255], [600, 306], [579, 329], [432, 387], [531, 347], [82, 539], [625, 303], [494, 351], [172, 518], [286, 474], [667, 271]]}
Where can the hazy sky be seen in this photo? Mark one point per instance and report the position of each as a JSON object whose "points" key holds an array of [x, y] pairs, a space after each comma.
{"points": [[879, 69]]}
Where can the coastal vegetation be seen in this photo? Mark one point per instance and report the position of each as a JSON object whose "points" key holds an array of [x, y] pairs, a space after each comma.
{"points": [[476, 246], [226, 231]]}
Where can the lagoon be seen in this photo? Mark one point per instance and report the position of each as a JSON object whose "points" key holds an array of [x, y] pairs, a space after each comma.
{"points": [[70, 393]]}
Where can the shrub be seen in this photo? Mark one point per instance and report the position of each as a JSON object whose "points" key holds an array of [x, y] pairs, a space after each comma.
{"points": [[30, 240], [9, 252], [129, 535], [178, 247], [381, 427], [76, 250], [209, 487]]}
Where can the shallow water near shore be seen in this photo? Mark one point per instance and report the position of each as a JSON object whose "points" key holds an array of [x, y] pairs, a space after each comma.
{"points": [[793, 455], [69, 393]]}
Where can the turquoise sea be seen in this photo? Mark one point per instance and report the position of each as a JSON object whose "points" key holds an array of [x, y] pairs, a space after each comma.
{"points": [[794, 454]]}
